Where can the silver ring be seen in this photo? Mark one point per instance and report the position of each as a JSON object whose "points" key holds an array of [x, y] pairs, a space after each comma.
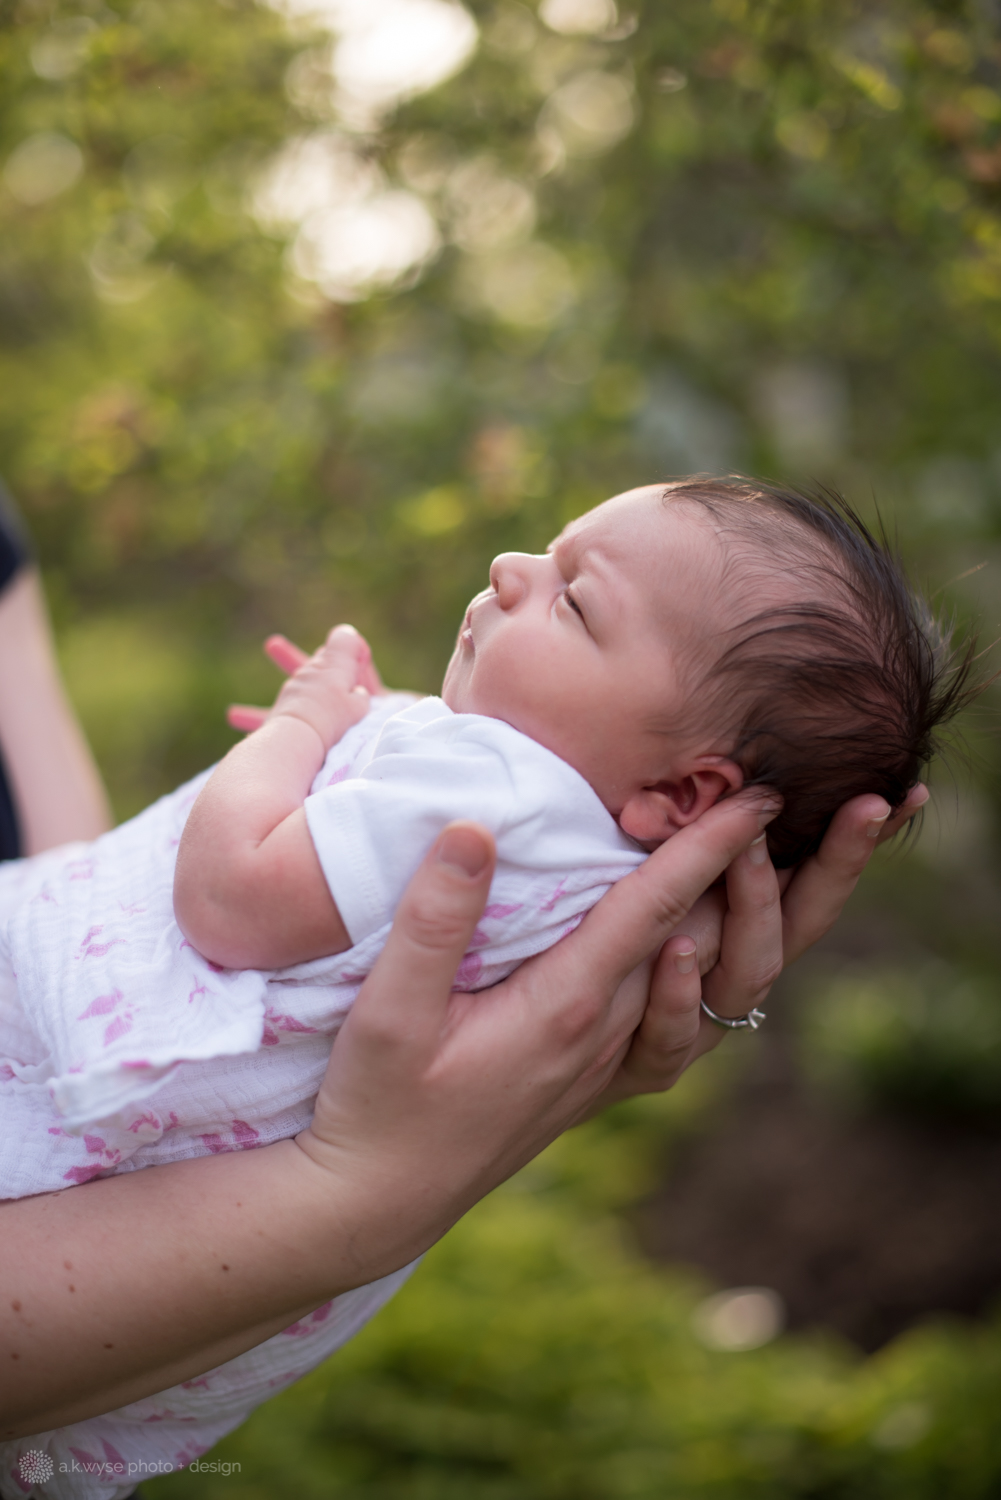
{"points": [[753, 1019]]}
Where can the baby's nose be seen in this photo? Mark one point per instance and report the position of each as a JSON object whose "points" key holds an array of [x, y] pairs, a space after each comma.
{"points": [[509, 575]]}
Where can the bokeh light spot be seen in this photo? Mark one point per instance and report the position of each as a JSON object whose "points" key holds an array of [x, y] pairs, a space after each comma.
{"points": [[745, 1317], [42, 167], [578, 17]]}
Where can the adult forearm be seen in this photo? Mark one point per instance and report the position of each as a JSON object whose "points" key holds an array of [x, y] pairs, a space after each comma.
{"points": [[123, 1287], [56, 784]]}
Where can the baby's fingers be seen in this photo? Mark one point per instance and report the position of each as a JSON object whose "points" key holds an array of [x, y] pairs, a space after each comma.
{"points": [[368, 675], [345, 651], [245, 717], [285, 654]]}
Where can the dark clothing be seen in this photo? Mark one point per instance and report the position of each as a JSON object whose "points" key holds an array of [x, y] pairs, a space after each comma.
{"points": [[15, 551], [10, 833], [15, 548]]}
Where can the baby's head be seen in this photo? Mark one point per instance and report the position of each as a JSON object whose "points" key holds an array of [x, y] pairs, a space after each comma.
{"points": [[682, 641]]}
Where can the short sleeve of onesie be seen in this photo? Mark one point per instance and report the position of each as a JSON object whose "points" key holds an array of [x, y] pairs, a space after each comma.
{"points": [[558, 847]]}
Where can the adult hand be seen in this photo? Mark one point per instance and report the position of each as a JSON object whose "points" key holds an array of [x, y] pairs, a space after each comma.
{"points": [[56, 785], [742, 938], [440, 1096], [289, 658], [432, 1097]]}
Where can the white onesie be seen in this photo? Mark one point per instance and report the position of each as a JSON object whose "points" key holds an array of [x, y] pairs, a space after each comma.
{"points": [[122, 1047]]}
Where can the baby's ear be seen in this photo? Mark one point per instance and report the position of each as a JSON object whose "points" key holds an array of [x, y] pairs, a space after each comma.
{"points": [[655, 813]]}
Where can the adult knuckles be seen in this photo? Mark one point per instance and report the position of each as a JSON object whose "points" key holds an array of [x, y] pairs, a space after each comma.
{"points": [[724, 836], [844, 865], [800, 933], [669, 910], [760, 900], [573, 1021], [660, 1057], [668, 1030], [751, 979], [671, 905], [375, 1031], [765, 975], [658, 1081], [657, 1074], [845, 850], [437, 921]]}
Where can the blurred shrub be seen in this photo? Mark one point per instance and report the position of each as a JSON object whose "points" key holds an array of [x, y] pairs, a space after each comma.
{"points": [[924, 1040], [727, 234], [534, 1356], [703, 235], [150, 695]]}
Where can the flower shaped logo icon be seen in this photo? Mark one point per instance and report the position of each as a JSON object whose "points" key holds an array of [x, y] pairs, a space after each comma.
{"points": [[35, 1467]]}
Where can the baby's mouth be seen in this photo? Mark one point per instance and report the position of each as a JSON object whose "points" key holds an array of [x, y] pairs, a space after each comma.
{"points": [[466, 629]]}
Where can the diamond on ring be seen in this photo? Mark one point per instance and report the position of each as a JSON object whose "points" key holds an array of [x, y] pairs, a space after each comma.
{"points": [[751, 1021]]}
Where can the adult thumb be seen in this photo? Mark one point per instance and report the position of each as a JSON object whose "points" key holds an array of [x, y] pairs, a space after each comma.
{"points": [[434, 924]]}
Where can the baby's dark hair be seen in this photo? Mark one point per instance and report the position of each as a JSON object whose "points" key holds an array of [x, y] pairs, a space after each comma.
{"points": [[842, 688]]}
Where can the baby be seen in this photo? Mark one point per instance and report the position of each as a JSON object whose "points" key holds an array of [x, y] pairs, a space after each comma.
{"points": [[173, 988]]}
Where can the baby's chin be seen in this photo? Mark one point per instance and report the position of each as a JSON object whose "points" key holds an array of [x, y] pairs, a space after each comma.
{"points": [[451, 690]]}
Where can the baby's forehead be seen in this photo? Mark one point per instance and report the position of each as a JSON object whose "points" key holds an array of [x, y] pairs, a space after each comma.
{"points": [[615, 522], [652, 562], [644, 533]]}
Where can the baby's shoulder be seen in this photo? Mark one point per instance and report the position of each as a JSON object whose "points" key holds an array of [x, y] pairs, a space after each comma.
{"points": [[473, 750], [431, 728]]}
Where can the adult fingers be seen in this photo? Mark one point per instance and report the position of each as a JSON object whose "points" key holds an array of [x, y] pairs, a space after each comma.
{"points": [[664, 1041], [739, 943], [913, 803], [643, 910], [674, 1031], [407, 993], [285, 654], [820, 887], [750, 958], [704, 923]]}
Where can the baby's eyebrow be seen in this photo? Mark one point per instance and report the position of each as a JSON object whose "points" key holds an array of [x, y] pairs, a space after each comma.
{"points": [[564, 543]]}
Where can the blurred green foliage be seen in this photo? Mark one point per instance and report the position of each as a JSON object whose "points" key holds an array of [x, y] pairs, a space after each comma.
{"points": [[534, 1357], [765, 236], [924, 1041], [762, 234]]}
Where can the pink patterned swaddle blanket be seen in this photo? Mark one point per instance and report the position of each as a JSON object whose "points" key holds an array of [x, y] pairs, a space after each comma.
{"points": [[122, 1047]]}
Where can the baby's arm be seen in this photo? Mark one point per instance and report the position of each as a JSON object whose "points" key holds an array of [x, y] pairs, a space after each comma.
{"points": [[249, 892]]}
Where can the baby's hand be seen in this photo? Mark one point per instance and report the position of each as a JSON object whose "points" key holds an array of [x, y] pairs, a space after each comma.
{"points": [[246, 717], [326, 691]]}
